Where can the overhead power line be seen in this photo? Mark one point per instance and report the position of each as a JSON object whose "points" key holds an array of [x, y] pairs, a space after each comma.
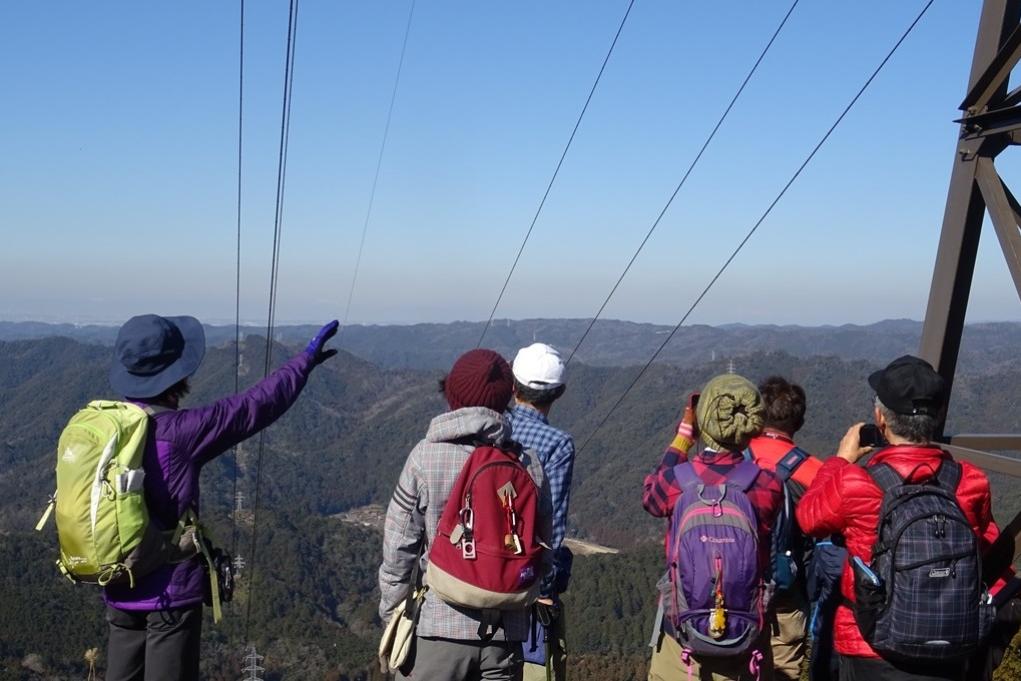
{"points": [[758, 222], [285, 141], [379, 165], [285, 122], [556, 172], [237, 284], [684, 178]]}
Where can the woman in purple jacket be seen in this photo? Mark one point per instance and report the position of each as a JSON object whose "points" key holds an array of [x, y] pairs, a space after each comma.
{"points": [[155, 627]]}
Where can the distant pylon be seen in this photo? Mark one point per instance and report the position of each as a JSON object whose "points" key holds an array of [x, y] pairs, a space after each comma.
{"points": [[239, 499], [253, 671], [239, 562], [731, 369]]}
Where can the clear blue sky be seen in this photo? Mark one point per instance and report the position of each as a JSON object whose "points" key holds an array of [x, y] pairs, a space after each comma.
{"points": [[117, 183]]}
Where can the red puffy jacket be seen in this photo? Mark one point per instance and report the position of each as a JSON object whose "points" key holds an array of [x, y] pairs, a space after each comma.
{"points": [[843, 499]]}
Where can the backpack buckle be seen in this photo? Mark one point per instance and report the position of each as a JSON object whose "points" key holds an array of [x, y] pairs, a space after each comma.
{"points": [[715, 503], [468, 549], [67, 573], [466, 537], [467, 519]]}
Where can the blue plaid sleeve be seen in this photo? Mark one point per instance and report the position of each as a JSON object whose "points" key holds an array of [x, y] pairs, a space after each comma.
{"points": [[559, 469], [555, 450]]}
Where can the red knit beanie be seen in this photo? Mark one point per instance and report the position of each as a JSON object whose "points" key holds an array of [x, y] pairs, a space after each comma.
{"points": [[479, 378]]}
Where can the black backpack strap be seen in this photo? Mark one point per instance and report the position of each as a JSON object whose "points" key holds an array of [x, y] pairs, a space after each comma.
{"points": [[790, 462], [489, 621], [949, 475], [885, 476], [785, 529]]}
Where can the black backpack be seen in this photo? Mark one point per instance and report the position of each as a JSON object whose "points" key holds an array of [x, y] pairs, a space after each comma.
{"points": [[922, 598], [787, 553]]}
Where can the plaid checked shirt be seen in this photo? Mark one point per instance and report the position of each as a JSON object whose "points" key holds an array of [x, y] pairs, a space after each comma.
{"points": [[661, 489], [555, 450], [415, 510]]}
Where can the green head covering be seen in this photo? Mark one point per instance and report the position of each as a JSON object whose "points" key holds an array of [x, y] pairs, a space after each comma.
{"points": [[729, 412]]}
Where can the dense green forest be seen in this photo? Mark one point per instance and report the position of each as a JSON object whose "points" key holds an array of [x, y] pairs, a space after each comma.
{"points": [[341, 447]]}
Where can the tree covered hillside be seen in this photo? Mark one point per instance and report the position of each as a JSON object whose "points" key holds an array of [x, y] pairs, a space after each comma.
{"points": [[341, 447]]}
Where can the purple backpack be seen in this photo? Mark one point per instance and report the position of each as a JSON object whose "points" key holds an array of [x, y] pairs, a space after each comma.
{"points": [[717, 599]]}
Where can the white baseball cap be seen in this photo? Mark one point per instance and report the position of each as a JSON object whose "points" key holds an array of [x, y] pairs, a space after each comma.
{"points": [[539, 366]]}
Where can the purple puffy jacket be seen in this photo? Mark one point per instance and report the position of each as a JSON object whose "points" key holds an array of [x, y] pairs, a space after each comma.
{"points": [[179, 443]]}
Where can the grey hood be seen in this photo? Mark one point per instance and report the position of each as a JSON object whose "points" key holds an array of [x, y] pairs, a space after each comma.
{"points": [[480, 422]]}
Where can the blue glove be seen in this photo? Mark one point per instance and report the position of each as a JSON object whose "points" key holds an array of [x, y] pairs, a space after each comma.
{"points": [[315, 346]]}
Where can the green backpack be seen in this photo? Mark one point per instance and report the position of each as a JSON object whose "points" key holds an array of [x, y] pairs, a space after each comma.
{"points": [[102, 518]]}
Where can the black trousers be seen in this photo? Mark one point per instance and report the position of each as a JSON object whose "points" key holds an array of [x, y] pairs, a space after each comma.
{"points": [[869, 669], [160, 645], [824, 664]]}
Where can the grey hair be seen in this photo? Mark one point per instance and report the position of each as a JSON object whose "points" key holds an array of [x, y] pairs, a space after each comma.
{"points": [[915, 428]]}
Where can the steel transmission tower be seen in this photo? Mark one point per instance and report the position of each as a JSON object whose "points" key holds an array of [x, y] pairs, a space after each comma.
{"points": [[253, 671], [991, 123]]}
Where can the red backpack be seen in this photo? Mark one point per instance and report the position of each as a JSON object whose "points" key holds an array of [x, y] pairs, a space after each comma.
{"points": [[487, 552]]}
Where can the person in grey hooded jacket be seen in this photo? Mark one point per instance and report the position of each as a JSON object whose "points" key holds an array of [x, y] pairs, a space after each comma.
{"points": [[448, 644]]}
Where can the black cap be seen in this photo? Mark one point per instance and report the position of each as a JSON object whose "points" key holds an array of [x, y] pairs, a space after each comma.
{"points": [[909, 385]]}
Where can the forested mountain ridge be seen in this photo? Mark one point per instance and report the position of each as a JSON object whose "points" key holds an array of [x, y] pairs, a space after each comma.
{"points": [[987, 347], [342, 446]]}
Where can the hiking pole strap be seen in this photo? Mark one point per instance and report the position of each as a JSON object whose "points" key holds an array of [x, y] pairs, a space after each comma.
{"points": [[545, 614], [550, 642]]}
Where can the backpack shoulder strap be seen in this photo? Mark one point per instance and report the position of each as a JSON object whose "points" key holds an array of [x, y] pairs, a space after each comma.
{"points": [[885, 476], [790, 462], [685, 475], [949, 475], [470, 442], [743, 475]]}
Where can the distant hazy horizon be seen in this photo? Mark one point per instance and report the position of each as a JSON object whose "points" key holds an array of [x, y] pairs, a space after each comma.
{"points": [[256, 323]]}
